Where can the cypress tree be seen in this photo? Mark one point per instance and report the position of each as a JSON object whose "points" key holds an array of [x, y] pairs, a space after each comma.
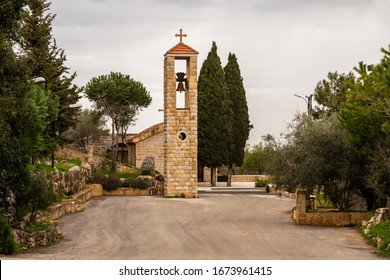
{"points": [[214, 114], [241, 125], [42, 57]]}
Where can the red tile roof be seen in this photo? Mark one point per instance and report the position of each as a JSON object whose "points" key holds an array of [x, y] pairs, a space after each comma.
{"points": [[150, 131], [181, 48]]}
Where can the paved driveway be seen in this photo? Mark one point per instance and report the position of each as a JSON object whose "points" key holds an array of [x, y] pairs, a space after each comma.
{"points": [[222, 226]]}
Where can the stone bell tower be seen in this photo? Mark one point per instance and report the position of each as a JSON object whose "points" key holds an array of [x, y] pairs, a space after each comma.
{"points": [[180, 121]]}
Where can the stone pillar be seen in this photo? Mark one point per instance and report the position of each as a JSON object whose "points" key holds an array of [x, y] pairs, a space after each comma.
{"points": [[301, 206], [180, 126], [301, 201]]}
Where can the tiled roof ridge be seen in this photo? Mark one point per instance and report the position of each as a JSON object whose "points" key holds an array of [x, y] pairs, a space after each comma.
{"points": [[144, 131], [181, 48]]}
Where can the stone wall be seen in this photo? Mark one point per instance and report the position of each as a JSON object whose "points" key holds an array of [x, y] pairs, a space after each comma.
{"points": [[51, 215], [128, 192], [329, 219], [152, 146], [73, 180], [157, 188], [247, 178], [67, 206], [102, 145]]}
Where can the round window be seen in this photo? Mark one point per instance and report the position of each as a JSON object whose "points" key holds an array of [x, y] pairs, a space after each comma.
{"points": [[182, 136]]}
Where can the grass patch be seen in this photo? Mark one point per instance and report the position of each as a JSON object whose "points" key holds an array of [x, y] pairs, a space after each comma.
{"points": [[68, 165], [41, 226], [63, 167]]}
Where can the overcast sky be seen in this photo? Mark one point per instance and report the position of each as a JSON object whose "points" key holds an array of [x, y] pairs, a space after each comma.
{"points": [[284, 47]]}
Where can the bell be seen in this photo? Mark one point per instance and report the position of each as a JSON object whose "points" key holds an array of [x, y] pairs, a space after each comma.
{"points": [[181, 79], [180, 87]]}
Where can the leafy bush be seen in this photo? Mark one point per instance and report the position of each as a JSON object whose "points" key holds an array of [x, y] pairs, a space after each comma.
{"points": [[261, 183], [147, 172], [123, 175], [41, 226], [8, 245], [135, 183], [40, 194], [381, 232], [108, 183], [160, 178], [115, 174]]}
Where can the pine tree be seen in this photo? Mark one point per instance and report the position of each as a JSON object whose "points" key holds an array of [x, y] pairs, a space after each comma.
{"points": [[120, 97], [241, 125], [43, 58], [214, 114]]}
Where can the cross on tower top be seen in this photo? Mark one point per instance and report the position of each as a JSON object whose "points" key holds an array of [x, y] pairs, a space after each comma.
{"points": [[181, 35]]}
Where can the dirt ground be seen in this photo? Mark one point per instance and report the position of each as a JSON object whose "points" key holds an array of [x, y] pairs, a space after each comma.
{"points": [[213, 226]]}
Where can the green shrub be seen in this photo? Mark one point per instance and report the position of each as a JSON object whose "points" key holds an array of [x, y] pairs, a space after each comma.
{"points": [[160, 178], [267, 189], [135, 183], [108, 183], [261, 183], [147, 173], [123, 175], [381, 231], [8, 245], [39, 226], [40, 194], [115, 174]]}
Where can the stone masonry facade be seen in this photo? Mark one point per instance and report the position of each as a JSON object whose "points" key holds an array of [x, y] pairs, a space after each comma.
{"points": [[180, 126], [148, 143]]}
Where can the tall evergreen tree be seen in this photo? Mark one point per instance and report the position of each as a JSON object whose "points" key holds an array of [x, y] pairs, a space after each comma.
{"points": [[13, 118], [365, 116], [214, 114], [16, 120], [42, 57], [241, 125]]}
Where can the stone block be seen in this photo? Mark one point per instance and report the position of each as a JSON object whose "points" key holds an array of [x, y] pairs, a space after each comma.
{"points": [[97, 189]]}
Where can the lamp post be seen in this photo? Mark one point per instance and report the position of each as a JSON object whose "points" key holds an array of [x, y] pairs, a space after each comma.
{"points": [[53, 127], [308, 100]]}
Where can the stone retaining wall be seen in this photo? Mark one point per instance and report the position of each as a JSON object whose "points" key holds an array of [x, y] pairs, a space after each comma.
{"points": [[127, 192], [247, 178], [71, 205], [329, 219], [158, 190], [332, 219]]}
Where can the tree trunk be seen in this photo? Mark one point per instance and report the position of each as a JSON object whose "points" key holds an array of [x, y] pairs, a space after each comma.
{"points": [[213, 176], [388, 202], [229, 175], [113, 148]]}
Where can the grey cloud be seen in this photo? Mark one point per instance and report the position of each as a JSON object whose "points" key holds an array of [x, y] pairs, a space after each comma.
{"points": [[283, 46]]}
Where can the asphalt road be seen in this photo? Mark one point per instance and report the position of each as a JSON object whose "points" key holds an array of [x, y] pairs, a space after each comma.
{"points": [[222, 226]]}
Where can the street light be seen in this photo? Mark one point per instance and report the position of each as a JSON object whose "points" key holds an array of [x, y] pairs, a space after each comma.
{"points": [[308, 100], [38, 80], [53, 128]]}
